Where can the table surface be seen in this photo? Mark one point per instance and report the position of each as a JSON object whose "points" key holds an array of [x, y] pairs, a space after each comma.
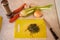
{"points": [[8, 28]]}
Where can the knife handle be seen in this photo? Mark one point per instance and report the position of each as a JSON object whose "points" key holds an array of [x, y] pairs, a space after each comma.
{"points": [[54, 34]]}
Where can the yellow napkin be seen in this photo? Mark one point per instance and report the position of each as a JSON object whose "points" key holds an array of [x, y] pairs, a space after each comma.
{"points": [[22, 24], [0, 22]]}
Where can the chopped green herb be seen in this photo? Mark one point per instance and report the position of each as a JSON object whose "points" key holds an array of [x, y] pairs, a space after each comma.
{"points": [[33, 28]]}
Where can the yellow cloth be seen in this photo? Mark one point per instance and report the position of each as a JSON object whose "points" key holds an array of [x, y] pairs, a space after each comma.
{"points": [[22, 25], [0, 22]]}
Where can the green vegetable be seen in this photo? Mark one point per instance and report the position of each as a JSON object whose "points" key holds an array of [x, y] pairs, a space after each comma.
{"points": [[28, 11], [25, 13], [45, 7], [33, 28]]}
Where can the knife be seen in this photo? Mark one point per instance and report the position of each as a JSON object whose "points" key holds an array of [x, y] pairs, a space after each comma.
{"points": [[51, 30]]}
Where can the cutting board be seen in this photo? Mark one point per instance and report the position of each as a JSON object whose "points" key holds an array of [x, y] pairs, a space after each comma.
{"points": [[22, 25]]}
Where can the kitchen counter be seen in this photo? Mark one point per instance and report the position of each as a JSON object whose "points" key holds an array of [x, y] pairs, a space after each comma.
{"points": [[7, 32]]}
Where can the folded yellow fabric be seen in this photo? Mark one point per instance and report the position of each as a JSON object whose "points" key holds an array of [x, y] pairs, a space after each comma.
{"points": [[21, 26], [0, 22]]}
